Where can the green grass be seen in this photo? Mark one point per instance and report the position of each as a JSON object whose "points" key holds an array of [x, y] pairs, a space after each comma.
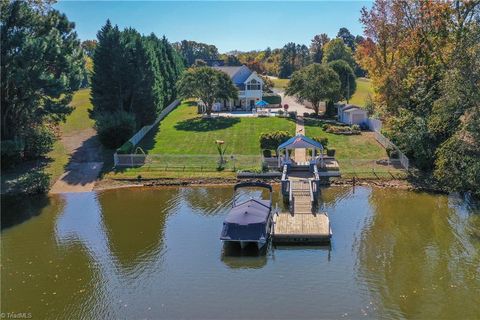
{"points": [[356, 154], [364, 89], [362, 146], [55, 161], [183, 146], [280, 83], [183, 131], [79, 118]]}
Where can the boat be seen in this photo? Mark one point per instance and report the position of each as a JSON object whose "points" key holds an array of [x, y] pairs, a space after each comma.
{"points": [[250, 221]]}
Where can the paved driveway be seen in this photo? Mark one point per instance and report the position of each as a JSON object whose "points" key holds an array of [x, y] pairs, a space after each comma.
{"points": [[293, 105]]}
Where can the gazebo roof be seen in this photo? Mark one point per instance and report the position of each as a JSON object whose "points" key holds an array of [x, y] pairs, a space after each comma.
{"points": [[300, 142]]}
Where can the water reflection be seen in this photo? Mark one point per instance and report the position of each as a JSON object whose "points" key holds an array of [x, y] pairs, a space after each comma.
{"points": [[249, 258], [416, 259], [156, 253]]}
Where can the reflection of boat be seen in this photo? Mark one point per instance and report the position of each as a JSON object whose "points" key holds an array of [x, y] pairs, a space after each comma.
{"points": [[249, 221], [249, 258]]}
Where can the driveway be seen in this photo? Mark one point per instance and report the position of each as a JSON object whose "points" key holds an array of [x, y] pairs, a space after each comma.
{"points": [[293, 105]]}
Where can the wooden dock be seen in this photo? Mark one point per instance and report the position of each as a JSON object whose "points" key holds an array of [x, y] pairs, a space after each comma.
{"points": [[302, 224]]}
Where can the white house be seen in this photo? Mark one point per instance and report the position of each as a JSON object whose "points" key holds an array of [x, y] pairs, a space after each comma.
{"points": [[351, 114], [250, 89]]}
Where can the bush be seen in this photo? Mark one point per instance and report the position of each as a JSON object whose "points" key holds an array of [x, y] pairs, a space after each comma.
{"points": [[11, 153], [267, 153], [356, 127], [115, 128], [331, 152], [33, 182], [280, 112], [126, 148], [392, 153], [38, 141], [271, 140], [364, 126], [306, 114], [272, 98], [292, 114], [323, 140], [340, 130]]}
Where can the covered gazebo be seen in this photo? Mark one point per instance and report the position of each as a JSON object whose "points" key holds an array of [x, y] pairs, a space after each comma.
{"points": [[300, 142]]}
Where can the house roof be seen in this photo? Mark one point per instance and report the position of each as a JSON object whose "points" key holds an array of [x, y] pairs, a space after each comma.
{"points": [[238, 74], [354, 109], [300, 141]]}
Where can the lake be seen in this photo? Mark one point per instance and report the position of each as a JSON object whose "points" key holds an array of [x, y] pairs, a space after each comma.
{"points": [[155, 253]]}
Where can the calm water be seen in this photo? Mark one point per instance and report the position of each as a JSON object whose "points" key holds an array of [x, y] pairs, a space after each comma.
{"points": [[155, 253]]}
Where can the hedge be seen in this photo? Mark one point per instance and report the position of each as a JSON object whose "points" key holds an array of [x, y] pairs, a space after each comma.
{"points": [[272, 98]]}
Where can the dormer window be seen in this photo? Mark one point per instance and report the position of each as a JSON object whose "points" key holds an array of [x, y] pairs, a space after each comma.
{"points": [[253, 85]]}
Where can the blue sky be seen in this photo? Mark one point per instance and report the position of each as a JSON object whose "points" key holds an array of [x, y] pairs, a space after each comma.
{"points": [[229, 25]]}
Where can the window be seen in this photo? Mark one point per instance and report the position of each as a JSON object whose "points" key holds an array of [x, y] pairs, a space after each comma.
{"points": [[254, 85]]}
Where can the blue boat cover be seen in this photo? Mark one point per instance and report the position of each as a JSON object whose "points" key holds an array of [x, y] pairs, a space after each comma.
{"points": [[247, 221]]}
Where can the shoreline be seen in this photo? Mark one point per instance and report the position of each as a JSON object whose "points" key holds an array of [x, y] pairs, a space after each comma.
{"points": [[109, 184]]}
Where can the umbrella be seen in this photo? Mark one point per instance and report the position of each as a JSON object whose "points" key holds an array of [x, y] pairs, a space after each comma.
{"points": [[261, 103]]}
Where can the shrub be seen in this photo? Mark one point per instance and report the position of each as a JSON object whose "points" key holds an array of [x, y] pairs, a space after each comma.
{"points": [[33, 182], [356, 127], [306, 114], [280, 112], [323, 140], [11, 153], [38, 141], [126, 148], [331, 152], [340, 130], [272, 98], [292, 114], [364, 126], [267, 153], [271, 140], [392, 153], [115, 128]]}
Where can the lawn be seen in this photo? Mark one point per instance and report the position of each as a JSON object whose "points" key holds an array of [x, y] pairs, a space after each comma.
{"points": [[184, 132], [280, 83], [356, 154], [364, 89]]}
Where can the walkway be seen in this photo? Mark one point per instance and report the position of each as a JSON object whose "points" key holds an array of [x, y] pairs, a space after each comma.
{"points": [[300, 154], [84, 165]]}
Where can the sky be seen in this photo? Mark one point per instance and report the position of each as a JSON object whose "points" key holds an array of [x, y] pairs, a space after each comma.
{"points": [[229, 25]]}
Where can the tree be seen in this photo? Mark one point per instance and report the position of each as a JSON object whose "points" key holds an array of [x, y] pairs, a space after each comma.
{"points": [[316, 47], [206, 84], [42, 65], [337, 50], [133, 74], [232, 60], [315, 83], [347, 37], [191, 51], [288, 57], [88, 47], [348, 85]]}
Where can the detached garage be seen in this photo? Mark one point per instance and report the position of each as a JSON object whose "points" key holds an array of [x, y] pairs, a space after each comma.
{"points": [[351, 114]]}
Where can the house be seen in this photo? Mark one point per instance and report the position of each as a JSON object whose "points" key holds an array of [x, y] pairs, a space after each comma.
{"points": [[352, 114], [249, 85]]}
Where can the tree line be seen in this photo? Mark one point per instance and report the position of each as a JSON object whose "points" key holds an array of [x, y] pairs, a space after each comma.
{"points": [[133, 79], [42, 66], [281, 62], [424, 61]]}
